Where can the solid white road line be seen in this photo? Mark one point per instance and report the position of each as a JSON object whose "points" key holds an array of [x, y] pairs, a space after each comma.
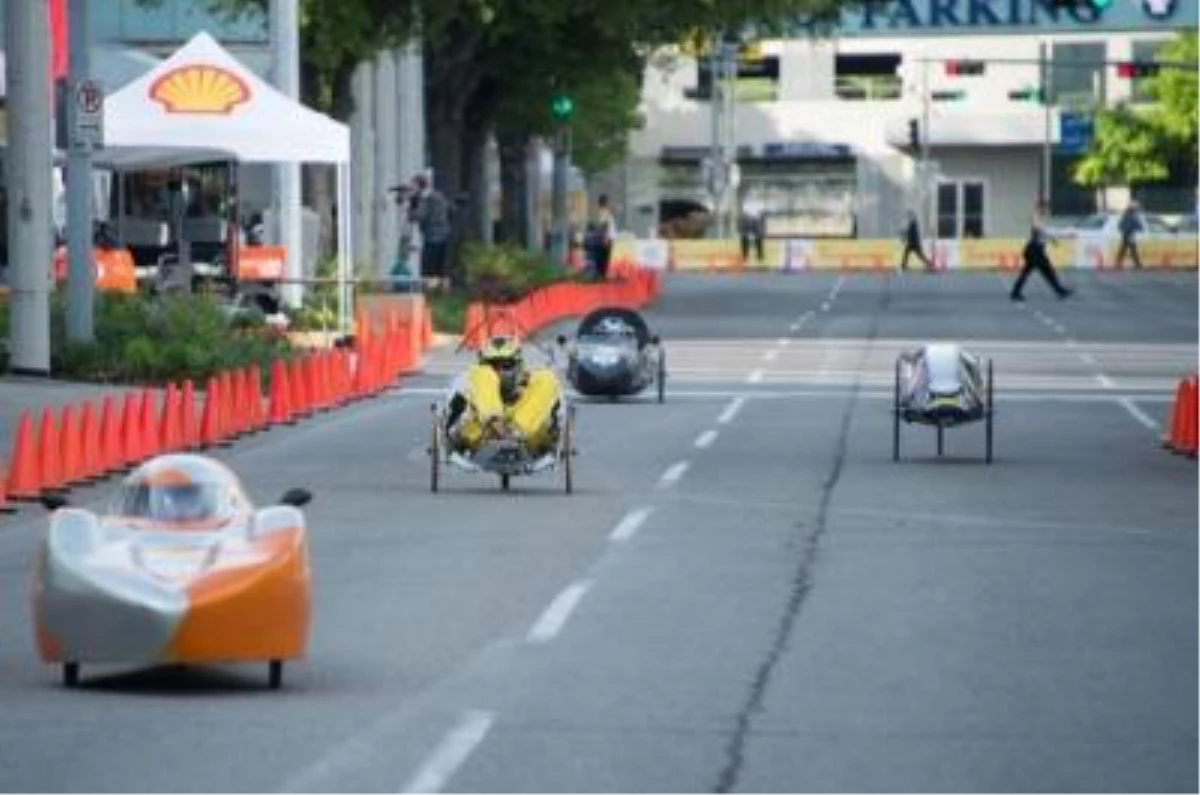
{"points": [[630, 524], [1087, 358], [1138, 414], [451, 753], [755, 377], [705, 439], [1105, 381], [673, 474], [731, 410], [558, 612], [770, 356], [783, 341]]}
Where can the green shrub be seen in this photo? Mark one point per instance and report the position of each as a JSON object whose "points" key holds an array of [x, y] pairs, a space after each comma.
{"points": [[507, 272]]}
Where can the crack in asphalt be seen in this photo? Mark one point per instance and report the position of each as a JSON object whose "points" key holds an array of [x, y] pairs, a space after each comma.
{"points": [[801, 581]]}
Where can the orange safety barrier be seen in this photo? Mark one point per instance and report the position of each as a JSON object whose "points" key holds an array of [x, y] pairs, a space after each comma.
{"points": [[630, 286], [114, 269]]}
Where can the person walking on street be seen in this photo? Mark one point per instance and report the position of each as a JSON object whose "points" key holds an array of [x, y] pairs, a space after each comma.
{"points": [[750, 227], [1130, 226], [601, 233], [431, 213], [1035, 257], [912, 243]]}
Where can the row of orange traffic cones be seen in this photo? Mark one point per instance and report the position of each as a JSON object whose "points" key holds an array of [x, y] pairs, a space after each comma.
{"points": [[84, 443]]}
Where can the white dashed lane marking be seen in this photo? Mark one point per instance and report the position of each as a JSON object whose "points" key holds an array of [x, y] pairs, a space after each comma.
{"points": [[454, 749], [556, 615], [632, 522]]}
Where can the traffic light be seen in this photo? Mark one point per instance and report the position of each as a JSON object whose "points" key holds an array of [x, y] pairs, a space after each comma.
{"points": [[914, 133], [1132, 70], [958, 95], [562, 107], [1027, 94], [964, 67]]}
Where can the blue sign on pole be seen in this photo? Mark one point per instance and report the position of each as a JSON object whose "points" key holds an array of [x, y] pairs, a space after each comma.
{"points": [[1075, 132]]}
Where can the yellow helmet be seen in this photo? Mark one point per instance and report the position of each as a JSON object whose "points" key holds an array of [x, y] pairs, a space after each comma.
{"points": [[503, 354], [501, 351]]}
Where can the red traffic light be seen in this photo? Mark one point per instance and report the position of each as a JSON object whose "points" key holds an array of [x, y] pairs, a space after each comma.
{"points": [[957, 68], [1131, 70]]}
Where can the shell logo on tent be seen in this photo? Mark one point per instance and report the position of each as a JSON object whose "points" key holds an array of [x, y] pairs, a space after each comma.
{"points": [[199, 88]]}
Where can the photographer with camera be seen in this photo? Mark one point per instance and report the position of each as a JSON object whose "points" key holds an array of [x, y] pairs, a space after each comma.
{"points": [[429, 210]]}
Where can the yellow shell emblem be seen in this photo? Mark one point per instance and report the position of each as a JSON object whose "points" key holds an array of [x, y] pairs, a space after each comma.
{"points": [[199, 88]]}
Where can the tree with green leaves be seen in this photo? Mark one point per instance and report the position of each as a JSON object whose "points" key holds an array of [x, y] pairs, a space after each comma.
{"points": [[491, 66], [1135, 144]]}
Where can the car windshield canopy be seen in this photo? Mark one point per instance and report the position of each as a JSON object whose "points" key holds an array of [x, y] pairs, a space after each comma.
{"points": [[178, 490]]}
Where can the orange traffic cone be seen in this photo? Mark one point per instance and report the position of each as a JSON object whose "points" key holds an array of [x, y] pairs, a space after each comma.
{"points": [[279, 411], [50, 452], [92, 465], [71, 455], [131, 436], [170, 433], [1174, 427], [188, 422], [25, 474], [112, 451], [148, 425], [210, 420], [1186, 444]]}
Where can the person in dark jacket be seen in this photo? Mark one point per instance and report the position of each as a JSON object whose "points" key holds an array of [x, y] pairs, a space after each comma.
{"points": [[912, 244], [750, 228], [1036, 259], [1130, 226]]}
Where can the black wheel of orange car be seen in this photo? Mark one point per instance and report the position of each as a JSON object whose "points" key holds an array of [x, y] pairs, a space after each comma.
{"points": [[896, 416], [989, 412], [662, 376], [275, 674], [505, 482], [70, 674]]}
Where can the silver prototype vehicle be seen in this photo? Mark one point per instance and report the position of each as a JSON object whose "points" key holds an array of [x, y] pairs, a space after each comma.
{"points": [[614, 355], [942, 385]]}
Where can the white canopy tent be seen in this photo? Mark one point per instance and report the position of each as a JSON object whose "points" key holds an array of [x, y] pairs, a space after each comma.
{"points": [[202, 104]]}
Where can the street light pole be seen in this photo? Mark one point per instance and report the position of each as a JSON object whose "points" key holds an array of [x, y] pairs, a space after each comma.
{"points": [[285, 71], [27, 174], [81, 282], [1048, 116], [928, 190]]}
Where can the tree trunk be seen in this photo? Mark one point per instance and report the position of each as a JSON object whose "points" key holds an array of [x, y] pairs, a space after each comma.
{"points": [[319, 194], [513, 223]]}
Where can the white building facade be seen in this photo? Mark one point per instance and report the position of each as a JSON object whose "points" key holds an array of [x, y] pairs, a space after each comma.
{"points": [[824, 137]]}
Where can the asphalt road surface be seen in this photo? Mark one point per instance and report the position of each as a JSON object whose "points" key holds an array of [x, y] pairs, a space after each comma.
{"points": [[745, 593]]}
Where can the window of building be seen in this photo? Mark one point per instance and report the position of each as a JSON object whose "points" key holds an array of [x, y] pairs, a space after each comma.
{"points": [[1077, 73], [961, 208], [868, 76]]}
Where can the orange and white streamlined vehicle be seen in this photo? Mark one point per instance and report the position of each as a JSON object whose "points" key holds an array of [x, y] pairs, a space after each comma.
{"points": [[183, 569]]}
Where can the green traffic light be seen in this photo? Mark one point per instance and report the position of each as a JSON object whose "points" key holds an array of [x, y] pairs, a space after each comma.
{"points": [[562, 107]]}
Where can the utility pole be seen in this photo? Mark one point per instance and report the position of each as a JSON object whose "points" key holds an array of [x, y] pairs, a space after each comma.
{"points": [[81, 281], [562, 110], [928, 191], [729, 55], [558, 194], [1048, 116], [28, 168], [285, 71]]}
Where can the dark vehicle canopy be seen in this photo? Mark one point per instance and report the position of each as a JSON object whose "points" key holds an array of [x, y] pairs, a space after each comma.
{"points": [[614, 321]]}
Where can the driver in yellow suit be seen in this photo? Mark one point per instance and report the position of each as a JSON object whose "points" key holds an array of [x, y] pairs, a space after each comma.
{"points": [[499, 399]]}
